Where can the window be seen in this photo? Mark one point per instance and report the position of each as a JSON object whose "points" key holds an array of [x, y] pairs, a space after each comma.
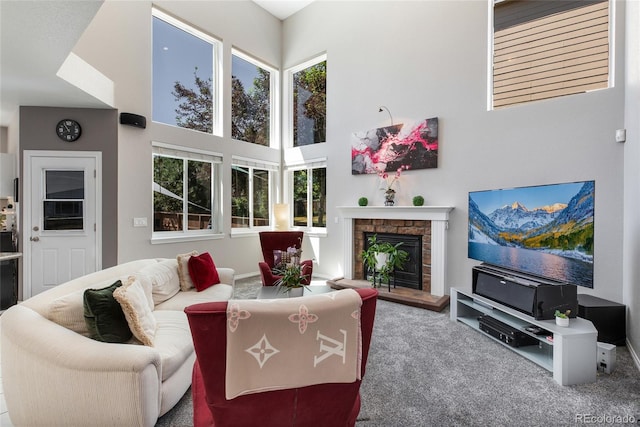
{"points": [[546, 49], [309, 103], [252, 100], [185, 192], [251, 189], [309, 196], [184, 76]]}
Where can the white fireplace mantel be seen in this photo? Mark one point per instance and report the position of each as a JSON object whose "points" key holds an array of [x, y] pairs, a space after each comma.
{"points": [[439, 217]]}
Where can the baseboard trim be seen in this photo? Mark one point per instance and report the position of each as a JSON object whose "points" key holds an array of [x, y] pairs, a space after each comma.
{"points": [[634, 354]]}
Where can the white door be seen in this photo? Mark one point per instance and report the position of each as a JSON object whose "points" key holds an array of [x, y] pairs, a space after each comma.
{"points": [[62, 231]]}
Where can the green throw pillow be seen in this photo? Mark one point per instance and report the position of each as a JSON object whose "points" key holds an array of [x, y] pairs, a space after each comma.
{"points": [[104, 316]]}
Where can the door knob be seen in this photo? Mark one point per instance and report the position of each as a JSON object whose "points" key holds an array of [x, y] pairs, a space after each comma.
{"points": [[34, 239]]}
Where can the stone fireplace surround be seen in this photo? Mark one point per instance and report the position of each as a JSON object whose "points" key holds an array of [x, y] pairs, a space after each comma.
{"points": [[430, 220]]}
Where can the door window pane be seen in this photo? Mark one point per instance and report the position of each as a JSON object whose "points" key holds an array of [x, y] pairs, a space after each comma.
{"points": [[64, 199], [64, 184], [63, 215]]}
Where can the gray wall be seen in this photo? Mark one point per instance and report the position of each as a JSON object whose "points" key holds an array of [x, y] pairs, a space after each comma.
{"points": [[99, 133]]}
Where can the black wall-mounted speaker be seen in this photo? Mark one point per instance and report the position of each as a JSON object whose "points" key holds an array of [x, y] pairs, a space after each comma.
{"points": [[133, 120]]}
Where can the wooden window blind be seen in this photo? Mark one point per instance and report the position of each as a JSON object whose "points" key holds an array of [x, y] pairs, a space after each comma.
{"points": [[546, 49]]}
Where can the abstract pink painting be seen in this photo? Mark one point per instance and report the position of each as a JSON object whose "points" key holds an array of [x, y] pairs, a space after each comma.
{"points": [[395, 147]]}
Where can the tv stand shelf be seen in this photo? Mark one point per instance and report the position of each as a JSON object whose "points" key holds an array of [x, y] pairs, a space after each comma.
{"points": [[571, 356]]}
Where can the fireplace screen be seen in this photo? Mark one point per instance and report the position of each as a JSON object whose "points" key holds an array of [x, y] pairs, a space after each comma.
{"points": [[411, 275]]}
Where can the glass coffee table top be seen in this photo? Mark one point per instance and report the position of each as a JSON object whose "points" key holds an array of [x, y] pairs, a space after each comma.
{"points": [[271, 292]]}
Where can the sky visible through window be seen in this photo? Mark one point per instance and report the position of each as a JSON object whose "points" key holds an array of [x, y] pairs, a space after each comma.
{"points": [[176, 54], [244, 71]]}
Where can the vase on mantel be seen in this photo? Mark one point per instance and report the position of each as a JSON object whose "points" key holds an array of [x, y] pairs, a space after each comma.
{"points": [[389, 197]]}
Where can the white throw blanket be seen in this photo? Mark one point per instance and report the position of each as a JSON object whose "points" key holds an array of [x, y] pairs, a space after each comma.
{"points": [[275, 344]]}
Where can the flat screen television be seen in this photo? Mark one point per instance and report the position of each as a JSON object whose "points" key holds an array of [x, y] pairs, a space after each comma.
{"points": [[544, 230]]}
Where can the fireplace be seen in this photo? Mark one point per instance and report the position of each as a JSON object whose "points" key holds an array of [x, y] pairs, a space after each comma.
{"points": [[400, 220], [410, 276]]}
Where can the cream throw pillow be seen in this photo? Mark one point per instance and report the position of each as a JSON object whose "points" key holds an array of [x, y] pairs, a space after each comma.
{"points": [[134, 303], [183, 271], [164, 279], [68, 311]]}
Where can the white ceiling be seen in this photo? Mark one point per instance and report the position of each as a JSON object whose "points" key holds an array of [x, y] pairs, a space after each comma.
{"points": [[282, 9], [37, 36]]}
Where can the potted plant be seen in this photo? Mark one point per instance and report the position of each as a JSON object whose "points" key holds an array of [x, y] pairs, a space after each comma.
{"points": [[363, 201], [292, 276], [562, 319], [418, 201], [383, 258]]}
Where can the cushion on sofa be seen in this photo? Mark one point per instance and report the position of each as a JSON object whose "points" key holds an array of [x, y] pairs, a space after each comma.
{"points": [[203, 271], [134, 303], [104, 316], [164, 279], [68, 310], [172, 341], [183, 270]]}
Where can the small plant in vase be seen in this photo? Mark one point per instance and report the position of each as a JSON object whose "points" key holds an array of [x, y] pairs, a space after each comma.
{"points": [[562, 318], [292, 278], [383, 258]]}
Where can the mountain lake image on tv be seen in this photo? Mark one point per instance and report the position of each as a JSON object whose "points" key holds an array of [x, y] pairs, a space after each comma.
{"points": [[544, 230]]}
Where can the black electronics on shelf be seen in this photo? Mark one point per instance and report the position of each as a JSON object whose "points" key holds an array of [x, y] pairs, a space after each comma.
{"points": [[534, 296]]}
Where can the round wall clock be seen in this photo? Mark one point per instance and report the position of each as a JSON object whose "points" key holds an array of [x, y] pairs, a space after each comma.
{"points": [[68, 130]]}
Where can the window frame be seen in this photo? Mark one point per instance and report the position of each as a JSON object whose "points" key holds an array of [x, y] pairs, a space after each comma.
{"points": [[186, 153], [490, 58], [274, 173], [288, 95], [274, 98], [309, 166], [217, 95]]}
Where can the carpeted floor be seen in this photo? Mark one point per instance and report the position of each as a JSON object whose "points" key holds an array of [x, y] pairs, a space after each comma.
{"points": [[425, 370]]}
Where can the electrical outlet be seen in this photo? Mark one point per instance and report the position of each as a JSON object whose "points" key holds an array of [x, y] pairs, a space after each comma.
{"points": [[139, 222]]}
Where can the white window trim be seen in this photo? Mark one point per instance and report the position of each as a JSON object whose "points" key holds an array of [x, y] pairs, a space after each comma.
{"points": [[287, 141], [274, 99], [217, 67], [180, 152], [274, 171]]}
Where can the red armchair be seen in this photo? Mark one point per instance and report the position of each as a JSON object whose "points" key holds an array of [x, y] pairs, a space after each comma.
{"points": [[272, 240], [331, 405]]}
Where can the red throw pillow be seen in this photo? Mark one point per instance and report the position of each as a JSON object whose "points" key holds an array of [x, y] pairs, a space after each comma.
{"points": [[203, 271]]}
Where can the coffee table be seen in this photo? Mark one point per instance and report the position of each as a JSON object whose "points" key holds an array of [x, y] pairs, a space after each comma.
{"points": [[272, 292]]}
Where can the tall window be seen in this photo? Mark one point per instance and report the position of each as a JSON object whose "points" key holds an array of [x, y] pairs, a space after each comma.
{"points": [[184, 75], [185, 193], [252, 101], [309, 197], [546, 49], [251, 189], [309, 103]]}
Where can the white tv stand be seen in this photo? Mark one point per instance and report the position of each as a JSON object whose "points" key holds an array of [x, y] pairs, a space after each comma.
{"points": [[571, 356]]}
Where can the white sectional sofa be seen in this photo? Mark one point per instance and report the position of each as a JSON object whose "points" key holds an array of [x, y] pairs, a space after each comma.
{"points": [[53, 373]]}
